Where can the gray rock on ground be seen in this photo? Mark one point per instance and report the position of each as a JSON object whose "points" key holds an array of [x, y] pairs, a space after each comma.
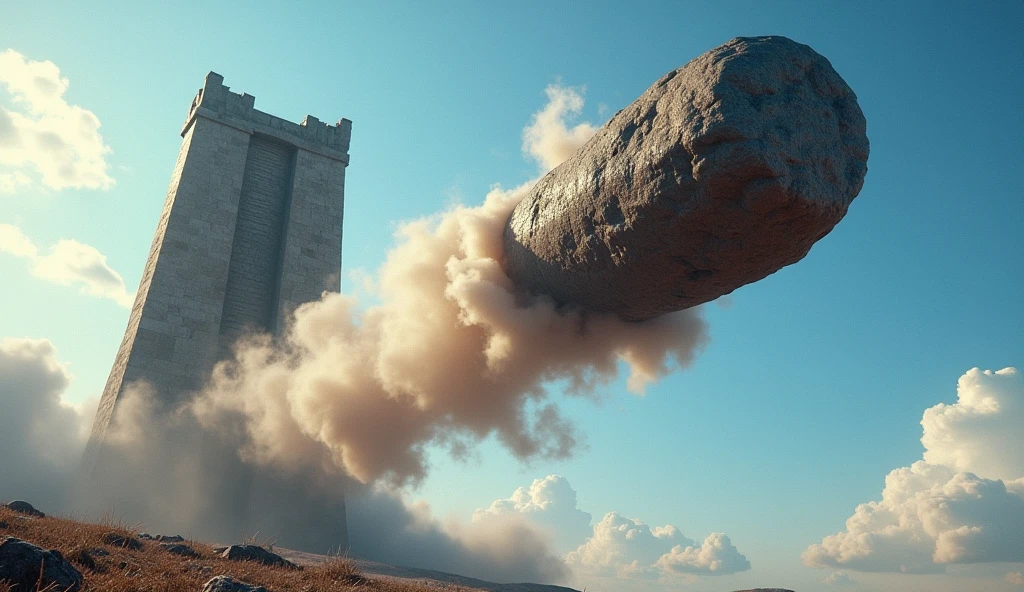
{"points": [[226, 584], [83, 557], [179, 549], [721, 173], [255, 553], [23, 507], [20, 564], [124, 542]]}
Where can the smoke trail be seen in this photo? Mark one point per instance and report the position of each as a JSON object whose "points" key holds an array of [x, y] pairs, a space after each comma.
{"points": [[451, 354]]}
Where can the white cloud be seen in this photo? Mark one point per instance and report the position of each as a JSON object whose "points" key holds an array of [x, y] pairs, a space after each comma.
{"points": [[839, 578], [617, 551], [547, 139], [961, 504], [550, 503], [42, 135], [41, 435], [628, 548], [715, 556], [14, 242], [981, 432], [1016, 578], [68, 263]]}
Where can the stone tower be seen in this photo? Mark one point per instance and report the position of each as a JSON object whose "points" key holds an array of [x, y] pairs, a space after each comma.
{"points": [[250, 229]]}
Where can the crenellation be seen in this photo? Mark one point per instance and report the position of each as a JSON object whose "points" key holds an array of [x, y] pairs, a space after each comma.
{"points": [[216, 102]]}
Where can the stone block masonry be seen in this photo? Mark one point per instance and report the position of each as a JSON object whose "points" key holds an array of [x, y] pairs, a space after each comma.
{"points": [[250, 229]]}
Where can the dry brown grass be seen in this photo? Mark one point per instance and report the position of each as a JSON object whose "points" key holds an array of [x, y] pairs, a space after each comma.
{"points": [[153, 569]]}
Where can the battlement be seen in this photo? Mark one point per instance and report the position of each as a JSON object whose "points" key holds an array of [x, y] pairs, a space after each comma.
{"points": [[216, 102]]}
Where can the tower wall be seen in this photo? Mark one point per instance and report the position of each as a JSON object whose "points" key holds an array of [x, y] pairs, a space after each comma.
{"points": [[250, 229]]}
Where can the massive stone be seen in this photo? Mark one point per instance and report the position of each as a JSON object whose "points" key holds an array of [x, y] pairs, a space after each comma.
{"points": [[721, 173]]}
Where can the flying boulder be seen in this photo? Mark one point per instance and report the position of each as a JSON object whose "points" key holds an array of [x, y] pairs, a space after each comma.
{"points": [[720, 174]]}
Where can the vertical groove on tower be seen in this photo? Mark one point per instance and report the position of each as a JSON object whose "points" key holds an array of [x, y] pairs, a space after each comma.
{"points": [[250, 299]]}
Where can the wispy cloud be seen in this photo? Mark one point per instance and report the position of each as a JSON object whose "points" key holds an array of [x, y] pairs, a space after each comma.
{"points": [[43, 138], [548, 139], [68, 263]]}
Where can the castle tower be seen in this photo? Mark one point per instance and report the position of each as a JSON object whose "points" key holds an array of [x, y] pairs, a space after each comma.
{"points": [[250, 229]]}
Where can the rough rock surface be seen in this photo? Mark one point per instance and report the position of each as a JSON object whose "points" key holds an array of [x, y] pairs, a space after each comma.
{"points": [[179, 549], [117, 540], [226, 584], [83, 557], [255, 553], [721, 173], [24, 507], [20, 564]]}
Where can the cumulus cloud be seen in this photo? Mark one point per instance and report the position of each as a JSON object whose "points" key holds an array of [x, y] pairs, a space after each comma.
{"points": [[548, 139], [41, 435], [981, 432], [621, 545], [617, 551], [961, 504], [550, 503], [628, 548], [44, 136], [716, 555], [68, 263], [453, 353]]}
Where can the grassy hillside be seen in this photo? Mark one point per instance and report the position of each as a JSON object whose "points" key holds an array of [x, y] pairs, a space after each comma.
{"points": [[111, 568]]}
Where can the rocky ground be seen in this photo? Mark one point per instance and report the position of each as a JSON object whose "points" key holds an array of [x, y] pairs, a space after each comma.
{"points": [[40, 553]]}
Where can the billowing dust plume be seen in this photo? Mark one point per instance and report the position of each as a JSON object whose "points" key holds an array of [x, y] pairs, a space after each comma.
{"points": [[450, 354]]}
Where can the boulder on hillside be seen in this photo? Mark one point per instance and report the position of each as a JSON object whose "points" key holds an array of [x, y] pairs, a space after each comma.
{"points": [[83, 557], [23, 507], [124, 542], [226, 584], [179, 549], [256, 553], [26, 567]]}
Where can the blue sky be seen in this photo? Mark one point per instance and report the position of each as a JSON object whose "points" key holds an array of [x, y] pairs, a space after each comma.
{"points": [[814, 382]]}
